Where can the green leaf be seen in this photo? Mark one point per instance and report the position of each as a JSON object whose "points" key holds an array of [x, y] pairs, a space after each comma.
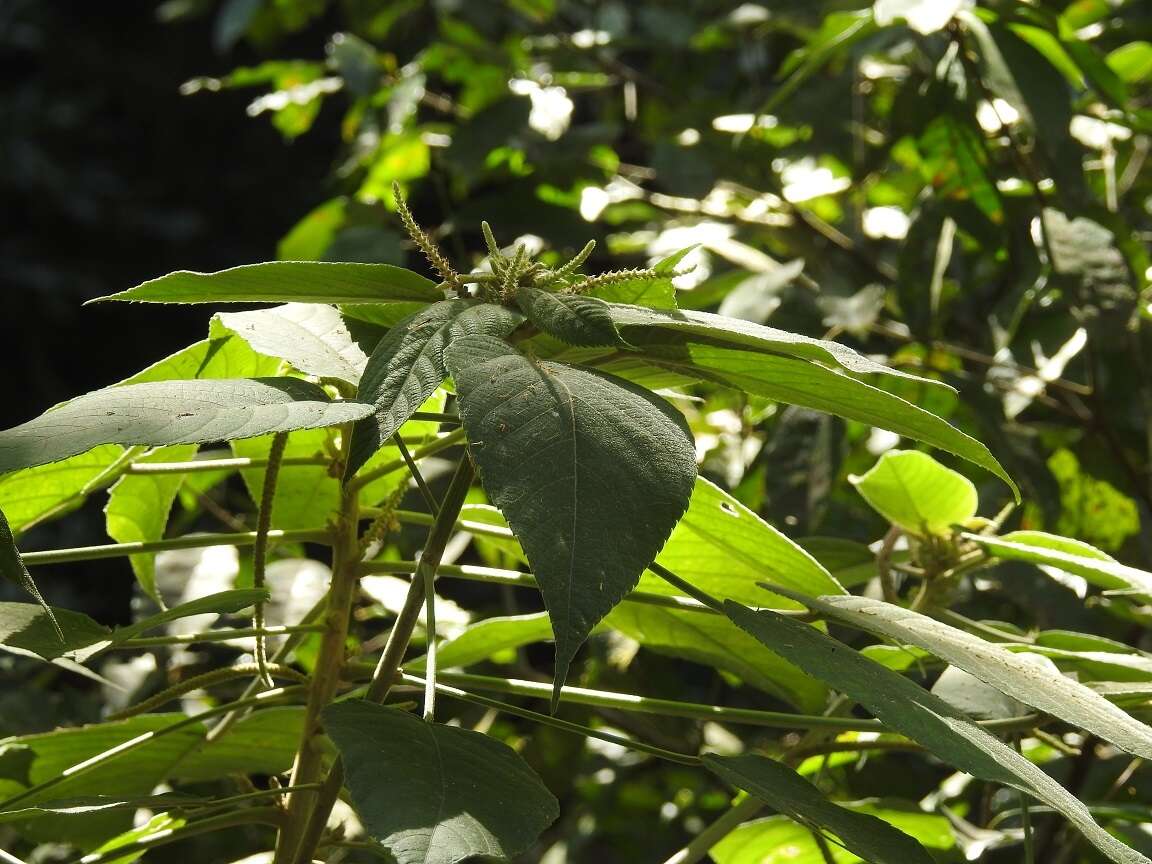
{"points": [[33, 495], [654, 293], [263, 742], [12, 570], [915, 492], [464, 793], [1084, 560], [546, 439], [408, 365], [305, 495], [1027, 679], [285, 282], [173, 412], [488, 637], [222, 603], [715, 642], [837, 33], [779, 840], [786, 791], [158, 824], [911, 710], [138, 508], [1132, 63], [221, 355], [812, 385], [570, 318], [31, 628], [310, 336]]}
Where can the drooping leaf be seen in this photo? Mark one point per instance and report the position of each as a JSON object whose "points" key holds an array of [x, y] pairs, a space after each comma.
{"points": [[1074, 556], [287, 282], [138, 508], [715, 642], [311, 336], [408, 365], [788, 792], [28, 626], [173, 412], [547, 438], [12, 570], [570, 318], [464, 794], [1027, 679], [914, 491], [907, 708], [815, 386]]}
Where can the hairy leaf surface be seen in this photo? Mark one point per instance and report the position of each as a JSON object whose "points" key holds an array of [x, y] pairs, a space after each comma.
{"points": [[570, 318]]}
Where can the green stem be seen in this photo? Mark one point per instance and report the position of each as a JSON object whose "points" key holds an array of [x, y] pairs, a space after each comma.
{"points": [[195, 541], [199, 682], [389, 665], [557, 723], [222, 635], [435, 417], [267, 697], [260, 548], [453, 438], [249, 816], [688, 588], [195, 466]]}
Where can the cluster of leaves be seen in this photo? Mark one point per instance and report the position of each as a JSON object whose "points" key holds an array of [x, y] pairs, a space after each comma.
{"points": [[952, 187]]}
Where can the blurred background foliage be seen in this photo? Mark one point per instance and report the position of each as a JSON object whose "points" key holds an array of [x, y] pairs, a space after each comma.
{"points": [[960, 189]]}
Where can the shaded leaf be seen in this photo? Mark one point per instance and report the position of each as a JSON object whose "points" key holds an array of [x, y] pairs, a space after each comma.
{"points": [[570, 318], [287, 281], [12, 570], [29, 626], [545, 438], [465, 794], [173, 412], [911, 710], [788, 792]]}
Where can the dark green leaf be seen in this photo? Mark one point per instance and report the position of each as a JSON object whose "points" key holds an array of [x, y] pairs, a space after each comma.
{"points": [[592, 473], [12, 570], [29, 626], [786, 791], [911, 710], [173, 412], [464, 794], [569, 317], [285, 282], [408, 365]]}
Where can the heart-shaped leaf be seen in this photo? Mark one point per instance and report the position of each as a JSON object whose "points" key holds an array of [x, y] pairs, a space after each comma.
{"points": [[591, 472], [435, 794]]}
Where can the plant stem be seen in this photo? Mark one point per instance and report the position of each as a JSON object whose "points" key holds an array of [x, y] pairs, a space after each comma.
{"points": [[394, 650], [329, 664], [248, 816], [195, 466], [222, 635], [700, 845], [557, 723], [194, 541], [260, 549], [453, 438]]}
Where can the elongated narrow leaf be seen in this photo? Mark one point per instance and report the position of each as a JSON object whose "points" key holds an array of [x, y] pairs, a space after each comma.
{"points": [[173, 412], [1027, 679], [914, 491], [786, 791], [12, 570], [737, 333], [463, 794], [310, 336], [591, 472], [30, 627], [907, 708], [1083, 559], [408, 365], [222, 603], [569, 317], [813, 385], [285, 282], [138, 508]]}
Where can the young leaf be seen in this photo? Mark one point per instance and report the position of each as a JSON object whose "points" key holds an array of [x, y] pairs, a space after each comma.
{"points": [[173, 412], [786, 791], [287, 281], [569, 317], [138, 508], [32, 628], [1027, 679], [1098, 568], [12, 570], [408, 365], [463, 793], [915, 492], [911, 710], [591, 472], [310, 336], [654, 293]]}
